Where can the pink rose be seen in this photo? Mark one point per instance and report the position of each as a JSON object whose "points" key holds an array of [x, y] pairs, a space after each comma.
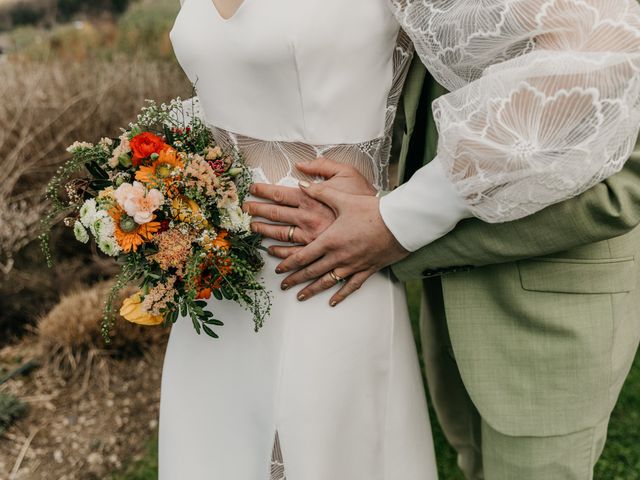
{"points": [[138, 202]]}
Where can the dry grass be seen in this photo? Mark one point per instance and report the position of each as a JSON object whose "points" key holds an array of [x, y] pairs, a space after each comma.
{"points": [[77, 430], [71, 338], [44, 108]]}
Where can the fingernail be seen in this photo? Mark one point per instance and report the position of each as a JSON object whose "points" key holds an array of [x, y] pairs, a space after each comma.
{"points": [[334, 303], [302, 297], [304, 184], [278, 270], [284, 286]]}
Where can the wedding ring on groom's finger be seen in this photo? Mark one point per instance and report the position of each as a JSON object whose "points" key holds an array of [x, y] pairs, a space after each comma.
{"points": [[336, 277], [292, 231]]}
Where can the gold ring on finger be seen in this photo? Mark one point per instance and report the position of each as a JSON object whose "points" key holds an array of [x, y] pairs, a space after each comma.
{"points": [[292, 231], [336, 277]]}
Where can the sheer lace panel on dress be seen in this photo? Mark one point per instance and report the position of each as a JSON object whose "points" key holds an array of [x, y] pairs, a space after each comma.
{"points": [[274, 161]]}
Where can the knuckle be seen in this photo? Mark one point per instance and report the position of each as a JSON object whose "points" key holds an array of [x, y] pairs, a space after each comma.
{"points": [[278, 196], [326, 282], [297, 259], [274, 213]]}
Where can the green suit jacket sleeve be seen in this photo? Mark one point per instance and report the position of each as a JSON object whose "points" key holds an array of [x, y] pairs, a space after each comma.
{"points": [[608, 210]]}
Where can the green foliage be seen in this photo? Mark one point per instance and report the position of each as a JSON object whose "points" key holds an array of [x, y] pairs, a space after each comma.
{"points": [[68, 8], [144, 469], [144, 29], [11, 409], [26, 14]]}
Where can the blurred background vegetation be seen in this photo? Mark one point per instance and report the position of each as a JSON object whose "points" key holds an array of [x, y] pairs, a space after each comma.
{"points": [[70, 408]]}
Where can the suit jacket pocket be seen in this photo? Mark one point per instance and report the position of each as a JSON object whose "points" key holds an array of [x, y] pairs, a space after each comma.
{"points": [[612, 275]]}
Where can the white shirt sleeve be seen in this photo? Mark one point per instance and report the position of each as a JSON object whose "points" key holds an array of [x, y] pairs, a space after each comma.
{"points": [[424, 209]]}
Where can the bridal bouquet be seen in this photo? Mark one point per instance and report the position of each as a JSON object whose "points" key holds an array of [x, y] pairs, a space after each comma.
{"points": [[166, 201]]}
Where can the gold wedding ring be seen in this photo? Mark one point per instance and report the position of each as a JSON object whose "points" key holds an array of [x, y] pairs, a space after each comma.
{"points": [[292, 230], [335, 276]]}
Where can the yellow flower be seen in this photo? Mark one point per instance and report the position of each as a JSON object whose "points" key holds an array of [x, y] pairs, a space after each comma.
{"points": [[132, 311], [186, 210]]}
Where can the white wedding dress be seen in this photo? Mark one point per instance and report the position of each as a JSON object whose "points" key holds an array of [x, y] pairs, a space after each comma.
{"points": [[319, 393], [544, 103]]}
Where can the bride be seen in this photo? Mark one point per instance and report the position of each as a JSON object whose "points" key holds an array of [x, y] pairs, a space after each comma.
{"points": [[318, 393], [324, 393]]}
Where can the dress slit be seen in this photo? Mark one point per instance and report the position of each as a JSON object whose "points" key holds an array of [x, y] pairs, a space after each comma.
{"points": [[277, 461]]}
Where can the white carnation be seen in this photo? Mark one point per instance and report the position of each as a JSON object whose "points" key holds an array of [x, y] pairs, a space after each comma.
{"points": [[100, 218], [80, 232], [88, 212], [109, 246], [105, 227], [236, 220]]}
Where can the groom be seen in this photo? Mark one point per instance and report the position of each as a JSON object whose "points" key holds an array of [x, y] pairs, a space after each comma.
{"points": [[529, 328]]}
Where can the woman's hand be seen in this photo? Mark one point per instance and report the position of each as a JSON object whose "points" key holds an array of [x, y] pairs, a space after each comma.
{"points": [[293, 208]]}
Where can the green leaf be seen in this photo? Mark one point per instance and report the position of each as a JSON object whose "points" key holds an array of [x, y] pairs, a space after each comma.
{"points": [[213, 321], [210, 332], [218, 294], [196, 324], [228, 293], [97, 171]]}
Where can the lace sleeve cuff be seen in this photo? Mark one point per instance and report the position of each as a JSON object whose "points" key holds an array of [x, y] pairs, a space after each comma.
{"points": [[423, 209]]}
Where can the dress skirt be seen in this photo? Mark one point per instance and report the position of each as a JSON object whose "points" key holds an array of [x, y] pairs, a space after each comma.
{"points": [[340, 387]]}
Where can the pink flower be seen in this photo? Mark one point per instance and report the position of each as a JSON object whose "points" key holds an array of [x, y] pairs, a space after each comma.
{"points": [[138, 202]]}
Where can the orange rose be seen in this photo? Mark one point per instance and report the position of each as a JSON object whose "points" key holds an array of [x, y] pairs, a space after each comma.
{"points": [[144, 145]]}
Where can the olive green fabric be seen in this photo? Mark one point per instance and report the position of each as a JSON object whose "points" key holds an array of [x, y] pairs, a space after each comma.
{"points": [[483, 452], [545, 328]]}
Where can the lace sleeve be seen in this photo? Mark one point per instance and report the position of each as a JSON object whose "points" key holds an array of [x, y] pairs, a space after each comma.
{"points": [[544, 98]]}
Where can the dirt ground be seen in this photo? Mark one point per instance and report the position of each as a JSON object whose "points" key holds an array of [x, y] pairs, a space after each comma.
{"points": [[80, 426]]}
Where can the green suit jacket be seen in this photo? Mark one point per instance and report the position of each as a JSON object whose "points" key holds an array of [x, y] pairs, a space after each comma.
{"points": [[543, 312]]}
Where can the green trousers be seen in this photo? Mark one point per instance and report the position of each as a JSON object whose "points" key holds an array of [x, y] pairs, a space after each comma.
{"points": [[484, 453]]}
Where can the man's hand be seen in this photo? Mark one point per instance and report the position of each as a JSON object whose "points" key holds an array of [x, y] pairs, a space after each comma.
{"points": [[357, 245], [293, 207]]}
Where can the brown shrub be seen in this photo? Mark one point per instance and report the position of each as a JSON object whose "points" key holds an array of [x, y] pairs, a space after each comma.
{"points": [[70, 333]]}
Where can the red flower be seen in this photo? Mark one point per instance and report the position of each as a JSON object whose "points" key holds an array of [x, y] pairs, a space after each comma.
{"points": [[218, 166], [144, 145]]}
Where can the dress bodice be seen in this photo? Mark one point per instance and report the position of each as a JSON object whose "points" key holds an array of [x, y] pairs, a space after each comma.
{"points": [[288, 81]]}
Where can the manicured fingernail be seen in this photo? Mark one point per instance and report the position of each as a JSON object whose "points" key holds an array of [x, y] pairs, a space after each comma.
{"points": [[284, 286], [334, 303], [304, 184], [278, 270], [302, 297]]}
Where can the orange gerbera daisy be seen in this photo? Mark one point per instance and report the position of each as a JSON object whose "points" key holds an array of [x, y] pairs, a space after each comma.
{"points": [[161, 168], [129, 234]]}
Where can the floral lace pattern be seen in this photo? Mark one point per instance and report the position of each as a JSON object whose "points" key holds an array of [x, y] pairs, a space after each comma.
{"points": [[274, 161], [544, 98]]}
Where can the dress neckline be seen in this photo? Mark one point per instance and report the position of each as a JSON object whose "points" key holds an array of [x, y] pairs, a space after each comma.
{"points": [[216, 10]]}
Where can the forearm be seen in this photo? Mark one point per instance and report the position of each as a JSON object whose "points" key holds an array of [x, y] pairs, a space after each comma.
{"points": [[607, 210]]}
